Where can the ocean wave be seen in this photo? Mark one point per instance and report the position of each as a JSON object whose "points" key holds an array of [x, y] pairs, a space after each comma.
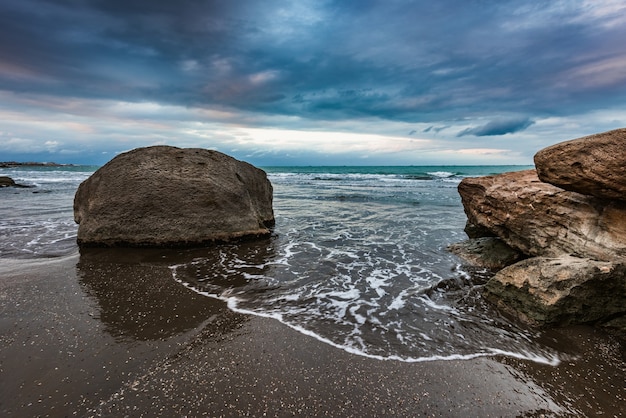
{"points": [[373, 297], [354, 177]]}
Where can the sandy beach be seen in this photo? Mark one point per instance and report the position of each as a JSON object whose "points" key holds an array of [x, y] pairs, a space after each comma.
{"points": [[109, 333]]}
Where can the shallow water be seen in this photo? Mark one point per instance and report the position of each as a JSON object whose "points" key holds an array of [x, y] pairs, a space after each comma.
{"points": [[357, 259], [38, 221]]}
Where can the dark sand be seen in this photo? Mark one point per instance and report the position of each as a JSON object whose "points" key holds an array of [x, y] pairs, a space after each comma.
{"points": [[109, 333]]}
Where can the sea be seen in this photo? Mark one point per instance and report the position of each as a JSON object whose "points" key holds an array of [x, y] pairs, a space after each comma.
{"points": [[357, 259]]}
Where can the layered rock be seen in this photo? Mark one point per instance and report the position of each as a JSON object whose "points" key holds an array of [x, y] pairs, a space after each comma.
{"points": [[593, 165], [575, 238], [540, 219], [166, 196]]}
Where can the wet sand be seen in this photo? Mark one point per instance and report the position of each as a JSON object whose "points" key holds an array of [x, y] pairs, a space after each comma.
{"points": [[109, 333]]}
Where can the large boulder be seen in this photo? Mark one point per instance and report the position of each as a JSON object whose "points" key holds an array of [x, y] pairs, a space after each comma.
{"points": [[165, 196], [593, 165], [540, 219], [559, 291]]}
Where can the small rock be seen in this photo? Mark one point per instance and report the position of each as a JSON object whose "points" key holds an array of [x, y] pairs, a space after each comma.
{"points": [[6, 181], [9, 182]]}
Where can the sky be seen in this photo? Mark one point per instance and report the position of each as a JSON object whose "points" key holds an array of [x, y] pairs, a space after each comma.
{"points": [[309, 82]]}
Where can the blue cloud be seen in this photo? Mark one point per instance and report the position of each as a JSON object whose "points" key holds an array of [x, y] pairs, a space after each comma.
{"points": [[498, 127], [435, 129], [426, 61]]}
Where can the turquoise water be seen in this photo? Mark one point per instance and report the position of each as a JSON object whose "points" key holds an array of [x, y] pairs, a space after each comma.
{"points": [[425, 172]]}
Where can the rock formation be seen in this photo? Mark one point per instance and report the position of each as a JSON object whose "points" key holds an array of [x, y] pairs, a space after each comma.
{"points": [[540, 219], [165, 196], [574, 230], [594, 165]]}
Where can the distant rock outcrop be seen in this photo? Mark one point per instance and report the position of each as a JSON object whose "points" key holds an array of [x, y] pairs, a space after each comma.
{"points": [[13, 164], [165, 196], [576, 239]]}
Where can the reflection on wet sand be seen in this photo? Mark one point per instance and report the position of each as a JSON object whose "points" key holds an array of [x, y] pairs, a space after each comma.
{"points": [[592, 382], [138, 298], [245, 269]]}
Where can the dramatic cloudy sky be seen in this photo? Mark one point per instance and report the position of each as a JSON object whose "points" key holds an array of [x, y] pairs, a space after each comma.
{"points": [[350, 82]]}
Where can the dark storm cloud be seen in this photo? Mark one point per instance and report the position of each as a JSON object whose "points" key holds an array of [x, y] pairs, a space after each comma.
{"points": [[127, 50], [412, 61], [498, 127]]}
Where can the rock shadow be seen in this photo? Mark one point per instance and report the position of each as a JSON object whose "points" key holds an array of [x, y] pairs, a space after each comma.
{"points": [[140, 300]]}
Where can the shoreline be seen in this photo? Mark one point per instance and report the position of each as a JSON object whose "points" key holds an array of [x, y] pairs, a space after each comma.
{"points": [[91, 335], [15, 164]]}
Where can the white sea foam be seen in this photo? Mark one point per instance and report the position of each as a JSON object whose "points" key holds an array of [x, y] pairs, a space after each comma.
{"points": [[431, 304], [233, 303], [349, 308], [441, 174], [398, 302]]}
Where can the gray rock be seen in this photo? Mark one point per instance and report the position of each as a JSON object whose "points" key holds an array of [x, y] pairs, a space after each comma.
{"points": [[9, 182], [560, 291], [593, 165], [6, 182], [165, 196]]}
